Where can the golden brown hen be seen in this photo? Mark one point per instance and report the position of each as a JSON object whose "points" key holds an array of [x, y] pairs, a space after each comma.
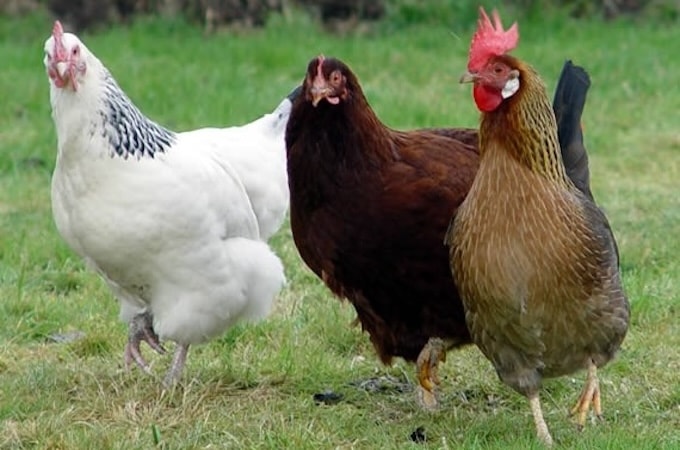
{"points": [[533, 257]]}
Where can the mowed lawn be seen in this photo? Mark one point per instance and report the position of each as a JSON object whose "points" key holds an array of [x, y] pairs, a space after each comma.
{"points": [[255, 386]]}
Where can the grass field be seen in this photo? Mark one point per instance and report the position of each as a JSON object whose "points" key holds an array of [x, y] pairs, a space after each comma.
{"points": [[254, 387]]}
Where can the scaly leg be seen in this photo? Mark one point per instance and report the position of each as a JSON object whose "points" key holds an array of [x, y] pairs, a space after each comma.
{"points": [[589, 395], [541, 427], [428, 367], [141, 329], [178, 360]]}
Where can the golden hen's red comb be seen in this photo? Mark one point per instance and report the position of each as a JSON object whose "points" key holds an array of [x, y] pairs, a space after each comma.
{"points": [[490, 40]]}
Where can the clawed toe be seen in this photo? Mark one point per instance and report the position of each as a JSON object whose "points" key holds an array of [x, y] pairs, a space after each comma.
{"points": [[428, 372], [590, 397], [140, 330], [132, 353]]}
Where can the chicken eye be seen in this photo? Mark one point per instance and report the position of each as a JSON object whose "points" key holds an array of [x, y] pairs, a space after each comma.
{"points": [[335, 77], [75, 50]]}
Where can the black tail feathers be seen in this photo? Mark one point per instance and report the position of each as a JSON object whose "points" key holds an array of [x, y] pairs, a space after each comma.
{"points": [[568, 104]]}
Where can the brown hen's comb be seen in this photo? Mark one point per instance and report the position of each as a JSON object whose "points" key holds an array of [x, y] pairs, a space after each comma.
{"points": [[490, 40], [318, 80], [321, 59], [58, 35]]}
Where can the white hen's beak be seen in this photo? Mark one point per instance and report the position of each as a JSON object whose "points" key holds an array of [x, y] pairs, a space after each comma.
{"points": [[62, 69], [63, 73]]}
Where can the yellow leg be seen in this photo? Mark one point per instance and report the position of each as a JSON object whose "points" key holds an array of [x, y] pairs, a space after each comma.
{"points": [[590, 395], [428, 367], [541, 427]]}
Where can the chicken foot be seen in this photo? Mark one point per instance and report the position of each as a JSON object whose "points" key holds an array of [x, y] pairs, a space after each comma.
{"points": [[140, 329], [541, 427], [428, 372], [177, 366], [590, 395]]}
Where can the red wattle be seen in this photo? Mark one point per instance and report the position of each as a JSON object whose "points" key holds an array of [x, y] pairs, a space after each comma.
{"points": [[486, 99]]}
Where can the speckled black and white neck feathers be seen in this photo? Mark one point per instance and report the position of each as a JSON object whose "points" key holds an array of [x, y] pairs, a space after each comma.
{"points": [[128, 132]]}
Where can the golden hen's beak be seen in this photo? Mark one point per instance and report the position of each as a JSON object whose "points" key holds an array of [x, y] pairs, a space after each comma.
{"points": [[468, 77]]}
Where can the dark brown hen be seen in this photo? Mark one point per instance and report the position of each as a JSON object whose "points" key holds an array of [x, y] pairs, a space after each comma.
{"points": [[532, 255], [367, 217]]}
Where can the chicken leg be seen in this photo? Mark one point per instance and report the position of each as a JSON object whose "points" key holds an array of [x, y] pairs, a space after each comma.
{"points": [[589, 395], [428, 367], [177, 366], [140, 329], [541, 427]]}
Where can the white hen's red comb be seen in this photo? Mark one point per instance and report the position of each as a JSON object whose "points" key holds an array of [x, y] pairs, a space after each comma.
{"points": [[57, 29], [490, 40], [58, 35]]}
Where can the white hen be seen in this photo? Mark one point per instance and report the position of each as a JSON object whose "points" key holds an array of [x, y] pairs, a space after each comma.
{"points": [[176, 223]]}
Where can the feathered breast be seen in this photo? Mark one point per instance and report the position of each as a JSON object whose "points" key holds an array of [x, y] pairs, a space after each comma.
{"points": [[369, 209], [530, 233]]}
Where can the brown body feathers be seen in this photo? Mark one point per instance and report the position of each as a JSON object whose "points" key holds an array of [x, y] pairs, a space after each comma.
{"points": [[369, 209]]}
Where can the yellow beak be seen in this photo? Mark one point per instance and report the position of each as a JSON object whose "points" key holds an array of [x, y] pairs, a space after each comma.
{"points": [[319, 93], [468, 77]]}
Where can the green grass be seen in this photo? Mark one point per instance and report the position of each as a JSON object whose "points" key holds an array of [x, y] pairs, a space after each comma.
{"points": [[253, 388]]}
